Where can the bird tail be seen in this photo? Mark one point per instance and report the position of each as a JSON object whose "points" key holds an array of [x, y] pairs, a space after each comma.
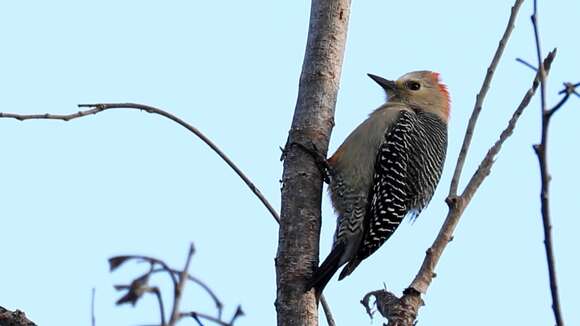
{"points": [[349, 268], [324, 273]]}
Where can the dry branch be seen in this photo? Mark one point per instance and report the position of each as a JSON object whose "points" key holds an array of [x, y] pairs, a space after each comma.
{"points": [[140, 286], [541, 150], [175, 314], [93, 321], [480, 97]]}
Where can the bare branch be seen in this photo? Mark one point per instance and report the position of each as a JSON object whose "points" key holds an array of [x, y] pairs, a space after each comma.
{"points": [[568, 86], [93, 322], [179, 289], [384, 302], [485, 166], [155, 290], [327, 312], [114, 262], [534, 19], [97, 108], [197, 315], [140, 286], [239, 312], [541, 151], [480, 97], [568, 90], [527, 64], [205, 287]]}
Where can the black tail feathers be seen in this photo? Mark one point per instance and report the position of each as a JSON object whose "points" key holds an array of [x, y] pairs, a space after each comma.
{"points": [[349, 268], [324, 273]]}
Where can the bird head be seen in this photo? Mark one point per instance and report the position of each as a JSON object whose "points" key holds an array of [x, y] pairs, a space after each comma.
{"points": [[421, 90]]}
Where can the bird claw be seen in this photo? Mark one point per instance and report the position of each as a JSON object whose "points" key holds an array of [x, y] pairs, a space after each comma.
{"points": [[320, 160]]}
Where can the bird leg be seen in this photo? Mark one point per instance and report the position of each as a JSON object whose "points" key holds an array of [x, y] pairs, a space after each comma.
{"points": [[321, 162]]}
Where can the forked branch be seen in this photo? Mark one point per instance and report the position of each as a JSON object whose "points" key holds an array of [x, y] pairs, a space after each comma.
{"points": [[140, 286]]}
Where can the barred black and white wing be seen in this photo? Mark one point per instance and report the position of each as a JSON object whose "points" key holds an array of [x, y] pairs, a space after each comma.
{"points": [[407, 168]]}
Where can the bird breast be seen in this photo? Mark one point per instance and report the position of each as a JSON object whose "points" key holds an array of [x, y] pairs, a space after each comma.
{"points": [[354, 161]]}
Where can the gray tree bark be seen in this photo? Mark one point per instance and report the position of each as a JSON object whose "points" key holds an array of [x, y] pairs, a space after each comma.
{"points": [[302, 182], [14, 318]]}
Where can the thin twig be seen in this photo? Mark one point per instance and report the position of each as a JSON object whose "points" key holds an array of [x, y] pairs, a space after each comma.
{"points": [[541, 151], [569, 85], [196, 315], [239, 312], [568, 90], [480, 97], [327, 312], [93, 322], [486, 164], [527, 64], [97, 108], [139, 286], [175, 315], [153, 261], [207, 289], [157, 293]]}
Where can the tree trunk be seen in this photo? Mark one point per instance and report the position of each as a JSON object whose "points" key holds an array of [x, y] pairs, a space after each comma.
{"points": [[302, 182]]}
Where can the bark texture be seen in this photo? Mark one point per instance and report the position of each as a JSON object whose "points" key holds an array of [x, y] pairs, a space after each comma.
{"points": [[302, 182], [14, 318]]}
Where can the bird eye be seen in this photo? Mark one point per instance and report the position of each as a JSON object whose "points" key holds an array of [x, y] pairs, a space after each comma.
{"points": [[413, 85]]}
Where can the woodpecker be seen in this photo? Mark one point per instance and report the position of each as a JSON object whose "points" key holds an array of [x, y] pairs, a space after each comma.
{"points": [[386, 169]]}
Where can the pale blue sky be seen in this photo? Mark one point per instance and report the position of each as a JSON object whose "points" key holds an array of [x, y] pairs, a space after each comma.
{"points": [[74, 194]]}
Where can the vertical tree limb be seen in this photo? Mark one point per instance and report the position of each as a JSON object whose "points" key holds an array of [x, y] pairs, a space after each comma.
{"points": [[541, 150], [93, 322], [313, 120]]}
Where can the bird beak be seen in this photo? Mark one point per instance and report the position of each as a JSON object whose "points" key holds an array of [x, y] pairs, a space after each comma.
{"points": [[387, 85]]}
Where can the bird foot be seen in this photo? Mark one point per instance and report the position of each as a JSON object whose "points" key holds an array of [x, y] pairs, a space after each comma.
{"points": [[325, 169]]}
